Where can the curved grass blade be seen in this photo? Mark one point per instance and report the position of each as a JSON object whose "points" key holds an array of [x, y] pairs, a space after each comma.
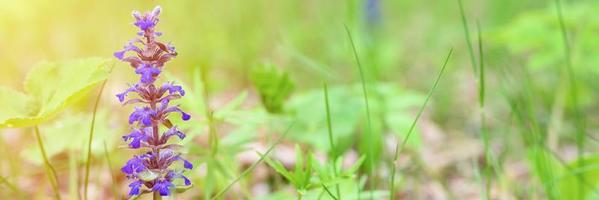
{"points": [[251, 168], [467, 35], [329, 192], [483, 128], [399, 147], [89, 142], [10, 186], [330, 131], [366, 103], [578, 120], [115, 191], [51, 172]]}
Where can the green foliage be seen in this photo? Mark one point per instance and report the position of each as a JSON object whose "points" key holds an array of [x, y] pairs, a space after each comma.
{"points": [[301, 177], [327, 175], [569, 185], [68, 133], [274, 86], [347, 114], [536, 36], [50, 87]]}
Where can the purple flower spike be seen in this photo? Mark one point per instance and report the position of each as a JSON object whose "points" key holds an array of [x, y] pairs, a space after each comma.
{"points": [[147, 56]]}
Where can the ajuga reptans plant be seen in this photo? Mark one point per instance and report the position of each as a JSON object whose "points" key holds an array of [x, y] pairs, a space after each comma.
{"points": [[159, 169]]}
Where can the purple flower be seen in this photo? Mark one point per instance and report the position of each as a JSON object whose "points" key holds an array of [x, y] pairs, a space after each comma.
{"points": [[173, 131], [135, 188], [163, 187], [137, 136], [148, 73], [129, 47], [134, 165], [122, 95], [142, 115], [148, 20], [174, 175], [173, 89], [148, 59]]}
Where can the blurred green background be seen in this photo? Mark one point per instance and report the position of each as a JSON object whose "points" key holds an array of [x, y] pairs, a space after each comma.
{"points": [[265, 63]]}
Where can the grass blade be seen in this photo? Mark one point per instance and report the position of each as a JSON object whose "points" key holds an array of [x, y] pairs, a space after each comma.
{"points": [[579, 122], [330, 131], [399, 147], [483, 129], [89, 142], [50, 171], [467, 36], [10, 186], [329, 192], [251, 168], [365, 92], [115, 191]]}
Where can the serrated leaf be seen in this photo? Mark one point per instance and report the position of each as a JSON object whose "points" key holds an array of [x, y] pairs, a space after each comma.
{"points": [[50, 87]]}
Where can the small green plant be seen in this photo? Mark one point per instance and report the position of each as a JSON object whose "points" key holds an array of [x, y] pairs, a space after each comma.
{"points": [[301, 176]]}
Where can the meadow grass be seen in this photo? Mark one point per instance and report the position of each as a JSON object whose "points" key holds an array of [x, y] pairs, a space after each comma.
{"points": [[530, 128]]}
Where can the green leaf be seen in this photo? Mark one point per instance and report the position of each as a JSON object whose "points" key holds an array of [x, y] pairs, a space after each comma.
{"points": [[50, 87], [273, 86], [588, 169], [182, 188], [65, 134], [14, 104]]}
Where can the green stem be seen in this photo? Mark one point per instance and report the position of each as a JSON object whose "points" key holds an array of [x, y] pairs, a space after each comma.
{"points": [[51, 172], [115, 191], [578, 119], [331, 142], [157, 196], [365, 93], [212, 137], [89, 142]]}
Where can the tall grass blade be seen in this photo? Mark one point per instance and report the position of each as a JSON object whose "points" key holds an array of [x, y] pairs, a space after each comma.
{"points": [[483, 128], [330, 132], [329, 192], [51, 172], [115, 191], [467, 36], [89, 142], [365, 92], [579, 121], [251, 168], [10, 186], [401, 145]]}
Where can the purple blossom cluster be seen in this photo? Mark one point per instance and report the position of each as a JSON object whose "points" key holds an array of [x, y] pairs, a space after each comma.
{"points": [[152, 171]]}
